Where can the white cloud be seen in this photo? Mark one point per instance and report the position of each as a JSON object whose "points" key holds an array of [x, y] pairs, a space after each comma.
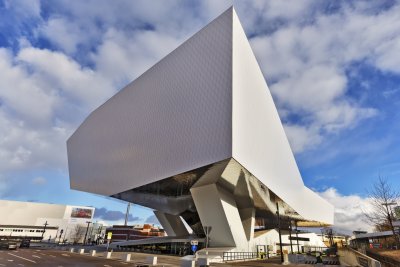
{"points": [[64, 34], [306, 63], [120, 57], [349, 209], [39, 181], [304, 54], [302, 138]]}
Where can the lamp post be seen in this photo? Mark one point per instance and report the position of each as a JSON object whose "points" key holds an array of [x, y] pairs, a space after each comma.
{"points": [[87, 228], [279, 231], [44, 229]]}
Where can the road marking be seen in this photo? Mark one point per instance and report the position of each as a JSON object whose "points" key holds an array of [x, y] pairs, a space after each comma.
{"points": [[52, 256], [107, 265], [10, 260], [65, 255], [42, 254], [21, 257], [2, 264], [20, 264], [36, 256]]}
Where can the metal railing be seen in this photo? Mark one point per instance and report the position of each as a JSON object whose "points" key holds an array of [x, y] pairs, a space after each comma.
{"points": [[235, 256]]}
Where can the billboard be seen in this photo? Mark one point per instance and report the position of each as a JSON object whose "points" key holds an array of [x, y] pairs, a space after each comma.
{"points": [[81, 213]]}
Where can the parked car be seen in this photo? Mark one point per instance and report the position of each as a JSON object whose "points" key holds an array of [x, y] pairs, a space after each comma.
{"points": [[3, 245], [25, 243], [12, 245]]}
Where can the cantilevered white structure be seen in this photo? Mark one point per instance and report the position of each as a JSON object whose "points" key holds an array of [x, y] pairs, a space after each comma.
{"points": [[198, 137]]}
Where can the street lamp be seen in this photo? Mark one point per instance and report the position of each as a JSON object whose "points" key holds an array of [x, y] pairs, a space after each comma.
{"points": [[44, 229], [279, 231]]}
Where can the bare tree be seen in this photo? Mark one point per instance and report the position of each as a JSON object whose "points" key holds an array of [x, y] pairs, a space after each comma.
{"points": [[78, 233], [381, 198]]}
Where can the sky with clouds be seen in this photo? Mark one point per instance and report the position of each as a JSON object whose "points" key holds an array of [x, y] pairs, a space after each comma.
{"points": [[333, 68]]}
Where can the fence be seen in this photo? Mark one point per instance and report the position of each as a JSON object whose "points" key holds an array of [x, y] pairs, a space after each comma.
{"points": [[234, 256]]}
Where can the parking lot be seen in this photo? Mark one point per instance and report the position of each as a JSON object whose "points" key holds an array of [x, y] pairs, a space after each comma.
{"points": [[55, 258]]}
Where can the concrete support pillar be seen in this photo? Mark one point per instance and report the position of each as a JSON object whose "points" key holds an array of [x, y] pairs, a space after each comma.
{"points": [[172, 224], [217, 208]]}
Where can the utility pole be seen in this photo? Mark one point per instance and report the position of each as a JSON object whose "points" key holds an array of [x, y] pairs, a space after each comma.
{"points": [[279, 231], [297, 237], [87, 228], [44, 229]]}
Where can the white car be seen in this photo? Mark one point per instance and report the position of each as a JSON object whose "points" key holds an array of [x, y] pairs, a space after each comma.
{"points": [[12, 245]]}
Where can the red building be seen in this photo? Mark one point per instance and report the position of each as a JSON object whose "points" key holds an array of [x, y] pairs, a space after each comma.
{"points": [[127, 232]]}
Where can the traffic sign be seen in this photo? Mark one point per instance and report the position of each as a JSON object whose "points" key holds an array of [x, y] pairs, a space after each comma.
{"points": [[109, 235], [194, 242], [194, 248]]}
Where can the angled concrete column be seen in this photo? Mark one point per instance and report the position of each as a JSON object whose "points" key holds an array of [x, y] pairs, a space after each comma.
{"points": [[172, 224], [217, 208], [247, 216]]}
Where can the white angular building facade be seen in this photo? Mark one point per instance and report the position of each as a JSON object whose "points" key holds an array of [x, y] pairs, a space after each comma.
{"points": [[198, 137]]}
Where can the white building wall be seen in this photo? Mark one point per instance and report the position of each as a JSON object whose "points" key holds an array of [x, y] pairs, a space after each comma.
{"points": [[259, 141], [174, 118], [21, 213]]}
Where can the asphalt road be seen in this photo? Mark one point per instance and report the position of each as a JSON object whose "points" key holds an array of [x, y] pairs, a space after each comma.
{"points": [[53, 258]]}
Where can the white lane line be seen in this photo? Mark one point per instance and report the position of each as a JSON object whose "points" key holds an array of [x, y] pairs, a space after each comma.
{"points": [[21, 257], [36, 256], [1, 264], [105, 265], [52, 256], [65, 255], [20, 264]]}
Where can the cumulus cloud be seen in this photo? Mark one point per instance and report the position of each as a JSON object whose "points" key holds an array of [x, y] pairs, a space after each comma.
{"points": [[349, 210], [306, 64], [39, 180], [113, 215], [66, 58]]}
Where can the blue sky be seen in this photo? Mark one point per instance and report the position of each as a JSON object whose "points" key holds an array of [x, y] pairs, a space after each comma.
{"points": [[333, 68]]}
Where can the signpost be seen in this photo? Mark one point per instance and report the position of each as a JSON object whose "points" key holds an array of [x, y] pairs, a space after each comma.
{"points": [[109, 236], [194, 244]]}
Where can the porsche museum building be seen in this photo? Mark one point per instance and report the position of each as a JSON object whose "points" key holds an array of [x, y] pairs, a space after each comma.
{"points": [[198, 139]]}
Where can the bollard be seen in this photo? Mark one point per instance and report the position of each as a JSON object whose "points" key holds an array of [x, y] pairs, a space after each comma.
{"points": [[71, 250], [108, 255], [82, 251], [152, 260], [128, 257], [188, 263], [285, 259], [93, 253], [204, 261]]}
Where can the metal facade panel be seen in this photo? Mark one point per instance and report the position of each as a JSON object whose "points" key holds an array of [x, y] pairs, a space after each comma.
{"points": [[173, 118], [259, 140]]}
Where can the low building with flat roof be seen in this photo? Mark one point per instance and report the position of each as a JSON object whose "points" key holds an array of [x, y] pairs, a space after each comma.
{"points": [[37, 221]]}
